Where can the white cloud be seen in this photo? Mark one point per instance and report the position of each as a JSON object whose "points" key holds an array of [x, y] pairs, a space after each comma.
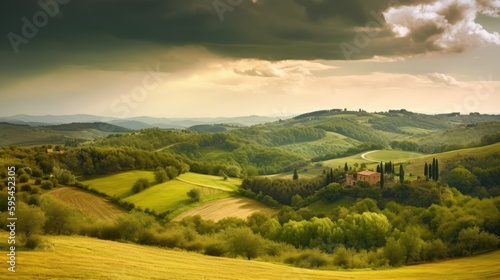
{"points": [[445, 80], [447, 25]]}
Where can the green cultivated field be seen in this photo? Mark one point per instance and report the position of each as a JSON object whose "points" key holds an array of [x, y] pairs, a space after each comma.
{"points": [[118, 184], [170, 195], [74, 257], [231, 184]]}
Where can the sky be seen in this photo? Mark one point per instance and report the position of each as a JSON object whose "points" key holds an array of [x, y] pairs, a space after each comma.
{"points": [[213, 58]]}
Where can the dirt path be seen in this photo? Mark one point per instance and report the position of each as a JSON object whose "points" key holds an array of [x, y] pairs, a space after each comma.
{"points": [[363, 156]]}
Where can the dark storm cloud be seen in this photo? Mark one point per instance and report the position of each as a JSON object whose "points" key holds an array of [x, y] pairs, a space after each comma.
{"points": [[107, 33]]}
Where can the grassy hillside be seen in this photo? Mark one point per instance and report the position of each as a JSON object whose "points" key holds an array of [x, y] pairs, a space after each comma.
{"points": [[118, 184], [416, 165], [24, 135], [89, 203], [72, 257], [172, 195], [459, 136]]}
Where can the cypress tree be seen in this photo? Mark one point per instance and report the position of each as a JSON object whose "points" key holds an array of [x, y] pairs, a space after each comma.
{"points": [[331, 175], [346, 168], [401, 174], [430, 171], [295, 174], [381, 176], [426, 170], [378, 168], [436, 171]]}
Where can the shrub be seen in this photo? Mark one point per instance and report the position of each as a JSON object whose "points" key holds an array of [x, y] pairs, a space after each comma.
{"points": [[308, 259], [24, 178], [147, 237], [26, 188], [160, 175], [172, 172], [33, 242], [140, 185], [171, 239], [34, 200], [61, 218], [38, 181], [194, 195], [47, 185], [216, 249], [194, 246]]}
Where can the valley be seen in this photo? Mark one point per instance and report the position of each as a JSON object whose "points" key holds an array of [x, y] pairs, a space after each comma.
{"points": [[268, 197]]}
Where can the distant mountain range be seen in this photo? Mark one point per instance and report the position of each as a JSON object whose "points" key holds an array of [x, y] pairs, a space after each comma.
{"points": [[135, 123]]}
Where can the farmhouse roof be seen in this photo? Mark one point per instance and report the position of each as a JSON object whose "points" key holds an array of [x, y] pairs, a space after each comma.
{"points": [[367, 173]]}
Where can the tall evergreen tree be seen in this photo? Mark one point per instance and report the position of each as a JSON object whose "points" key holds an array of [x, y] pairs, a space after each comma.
{"points": [[295, 174], [426, 170], [331, 175], [430, 171], [381, 175], [378, 168], [346, 168], [436, 169], [401, 174]]}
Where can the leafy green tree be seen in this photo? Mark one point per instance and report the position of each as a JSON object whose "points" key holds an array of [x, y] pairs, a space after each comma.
{"points": [[243, 242], [194, 195], [140, 185], [160, 175], [30, 220], [462, 179], [365, 231], [60, 218], [330, 193], [256, 220], [172, 172], [297, 201], [411, 241], [64, 176], [394, 252]]}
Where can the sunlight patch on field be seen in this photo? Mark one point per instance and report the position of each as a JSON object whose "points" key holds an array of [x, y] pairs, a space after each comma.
{"points": [[75, 257], [228, 207]]}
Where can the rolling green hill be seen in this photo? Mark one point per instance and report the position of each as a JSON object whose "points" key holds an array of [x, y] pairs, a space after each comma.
{"points": [[24, 135], [169, 196]]}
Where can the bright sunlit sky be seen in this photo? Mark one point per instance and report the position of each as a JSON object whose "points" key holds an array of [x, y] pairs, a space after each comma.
{"points": [[193, 58]]}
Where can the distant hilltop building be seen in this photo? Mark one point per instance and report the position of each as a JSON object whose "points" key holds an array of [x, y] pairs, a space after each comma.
{"points": [[368, 176]]}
